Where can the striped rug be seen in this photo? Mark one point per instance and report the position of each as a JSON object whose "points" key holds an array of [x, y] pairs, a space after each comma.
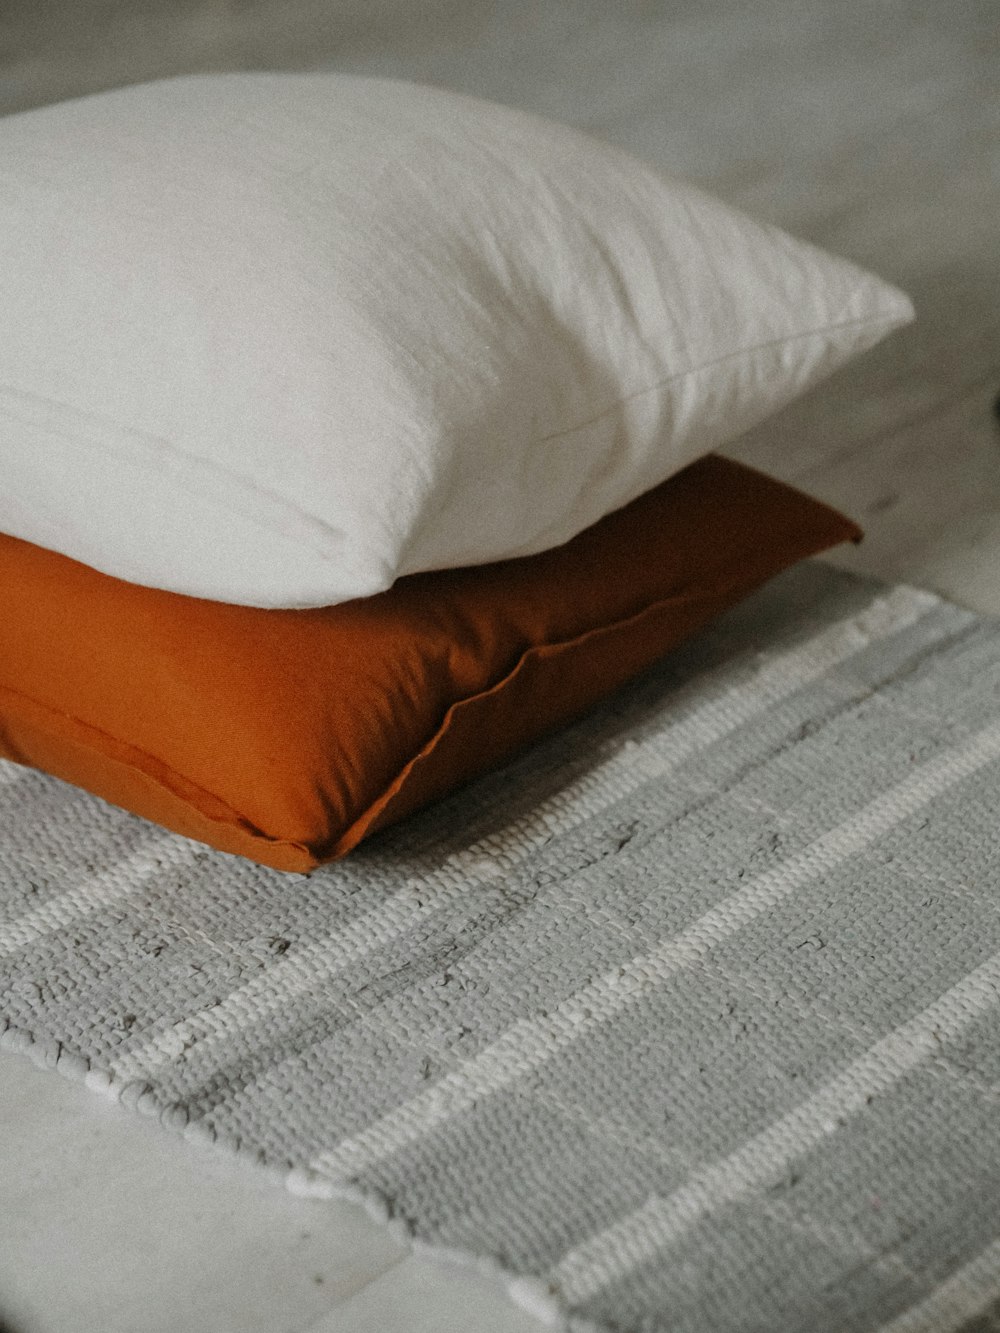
{"points": [[689, 1020]]}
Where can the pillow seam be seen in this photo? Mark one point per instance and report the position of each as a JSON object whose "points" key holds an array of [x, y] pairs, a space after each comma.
{"points": [[153, 448], [241, 821], [238, 820], [152, 444], [890, 321]]}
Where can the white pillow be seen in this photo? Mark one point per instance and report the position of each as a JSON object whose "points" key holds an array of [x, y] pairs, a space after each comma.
{"points": [[279, 338]]}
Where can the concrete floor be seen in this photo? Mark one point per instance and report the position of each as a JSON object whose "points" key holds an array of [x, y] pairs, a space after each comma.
{"points": [[872, 128]]}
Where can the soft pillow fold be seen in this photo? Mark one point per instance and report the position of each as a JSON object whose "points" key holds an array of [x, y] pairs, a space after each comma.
{"points": [[279, 339]]}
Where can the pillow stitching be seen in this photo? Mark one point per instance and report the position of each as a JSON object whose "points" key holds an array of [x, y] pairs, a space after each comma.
{"points": [[559, 645], [155, 443], [239, 820], [359, 827], [872, 322]]}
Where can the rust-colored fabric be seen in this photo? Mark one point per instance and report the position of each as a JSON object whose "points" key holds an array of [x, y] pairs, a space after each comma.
{"points": [[288, 736]]}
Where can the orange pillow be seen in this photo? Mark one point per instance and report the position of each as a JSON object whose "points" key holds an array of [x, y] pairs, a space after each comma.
{"points": [[287, 736]]}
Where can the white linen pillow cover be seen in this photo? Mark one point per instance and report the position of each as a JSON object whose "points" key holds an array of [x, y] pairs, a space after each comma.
{"points": [[277, 339]]}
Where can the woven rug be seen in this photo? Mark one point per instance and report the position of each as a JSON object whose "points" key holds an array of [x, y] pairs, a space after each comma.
{"points": [[687, 1020]]}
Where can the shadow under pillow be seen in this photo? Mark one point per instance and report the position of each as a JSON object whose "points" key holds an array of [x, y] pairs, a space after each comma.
{"points": [[287, 736]]}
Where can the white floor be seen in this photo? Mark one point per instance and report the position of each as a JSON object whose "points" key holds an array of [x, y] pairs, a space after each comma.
{"points": [[109, 1223], [873, 130]]}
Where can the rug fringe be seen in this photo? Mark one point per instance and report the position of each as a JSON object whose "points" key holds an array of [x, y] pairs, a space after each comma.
{"points": [[532, 1294]]}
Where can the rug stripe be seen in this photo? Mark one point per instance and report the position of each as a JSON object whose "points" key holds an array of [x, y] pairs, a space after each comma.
{"points": [[530, 1043], [659, 1223], [119, 881], [712, 720], [963, 1296], [720, 709]]}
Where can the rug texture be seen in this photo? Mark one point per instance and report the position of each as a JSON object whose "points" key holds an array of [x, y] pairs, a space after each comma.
{"points": [[688, 1020]]}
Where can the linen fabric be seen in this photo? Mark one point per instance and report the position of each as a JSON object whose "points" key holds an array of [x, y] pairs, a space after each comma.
{"points": [[278, 339], [288, 735], [688, 1020]]}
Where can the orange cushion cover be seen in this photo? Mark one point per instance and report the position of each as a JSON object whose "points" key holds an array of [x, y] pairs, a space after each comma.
{"points": [[287, 736]]}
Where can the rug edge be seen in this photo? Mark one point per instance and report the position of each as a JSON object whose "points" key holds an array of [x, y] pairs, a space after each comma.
{"points": [[527, 1292]]}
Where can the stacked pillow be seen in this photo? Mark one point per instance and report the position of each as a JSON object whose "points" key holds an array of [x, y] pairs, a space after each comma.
{"points": [[355, 433]]}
